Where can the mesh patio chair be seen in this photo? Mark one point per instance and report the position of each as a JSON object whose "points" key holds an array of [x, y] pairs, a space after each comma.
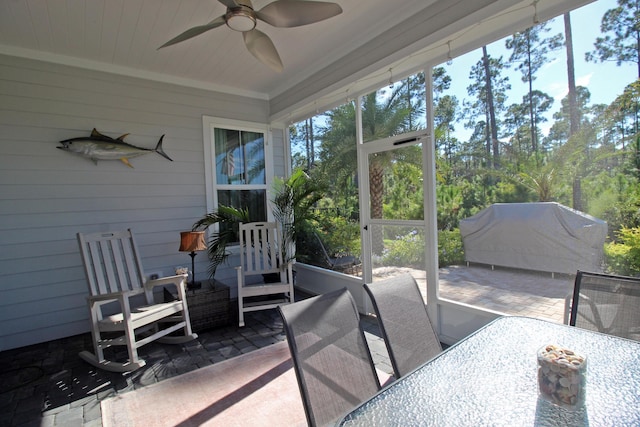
{"points": [[404, 323], [607, 303], [330, 354]]}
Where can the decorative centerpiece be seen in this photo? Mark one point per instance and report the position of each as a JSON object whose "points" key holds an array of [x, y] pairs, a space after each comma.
{"points": [[561, 376]]}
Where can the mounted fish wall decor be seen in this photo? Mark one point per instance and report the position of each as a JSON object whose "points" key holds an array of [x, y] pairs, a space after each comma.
{"points": [[101, 147]]}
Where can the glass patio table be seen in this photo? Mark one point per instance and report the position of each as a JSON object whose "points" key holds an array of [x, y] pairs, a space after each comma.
{"points": [[491, 379]]}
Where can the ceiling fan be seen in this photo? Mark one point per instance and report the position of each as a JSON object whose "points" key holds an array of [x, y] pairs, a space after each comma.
{"points": [[241, 16]]}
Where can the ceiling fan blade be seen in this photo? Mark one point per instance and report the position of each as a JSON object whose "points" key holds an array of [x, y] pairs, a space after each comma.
{"points": [[229, 3], [261, 46], [293, 13], [195, 31]]}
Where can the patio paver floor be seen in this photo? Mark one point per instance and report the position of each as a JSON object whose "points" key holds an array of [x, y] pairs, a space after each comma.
{"points": [[510, 291]]}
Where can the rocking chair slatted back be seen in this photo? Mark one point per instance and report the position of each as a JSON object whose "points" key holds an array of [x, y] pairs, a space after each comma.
{"points": [[261, 242], [112, 263]]}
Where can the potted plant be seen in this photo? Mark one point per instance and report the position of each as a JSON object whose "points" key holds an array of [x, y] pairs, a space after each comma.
{"points": [[228, 219], [293, 205], [292, 202]]}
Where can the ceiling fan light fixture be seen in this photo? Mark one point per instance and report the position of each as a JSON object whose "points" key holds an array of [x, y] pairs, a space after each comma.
{"points": [[241, 19]]}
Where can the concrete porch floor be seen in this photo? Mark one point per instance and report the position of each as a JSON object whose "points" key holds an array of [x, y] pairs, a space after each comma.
{"points": [[48, 385]]}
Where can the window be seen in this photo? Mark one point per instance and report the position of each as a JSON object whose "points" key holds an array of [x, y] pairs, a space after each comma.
{"points": [[237, 166]]}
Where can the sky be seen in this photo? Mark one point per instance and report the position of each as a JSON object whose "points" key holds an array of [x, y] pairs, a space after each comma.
{"points": [[605, 81]]}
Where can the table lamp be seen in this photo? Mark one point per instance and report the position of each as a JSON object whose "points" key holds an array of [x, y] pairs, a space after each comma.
{"points": [[192, 241]]}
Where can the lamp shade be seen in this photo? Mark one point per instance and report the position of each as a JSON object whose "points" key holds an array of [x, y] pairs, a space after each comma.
{"points": [[192, 241]]}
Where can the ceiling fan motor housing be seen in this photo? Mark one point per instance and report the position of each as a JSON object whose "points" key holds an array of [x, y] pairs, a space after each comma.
{"points": [[241, 18]]}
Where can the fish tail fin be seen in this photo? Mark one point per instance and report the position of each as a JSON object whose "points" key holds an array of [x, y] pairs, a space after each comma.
{"points": [[159, 150]]}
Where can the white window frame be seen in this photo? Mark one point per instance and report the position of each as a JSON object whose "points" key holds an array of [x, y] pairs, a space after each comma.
{"points": [[208, 126]]}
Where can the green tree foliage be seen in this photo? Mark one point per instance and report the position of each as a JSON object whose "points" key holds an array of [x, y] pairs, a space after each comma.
{"points": [[445, 114], [539, 103], [384, 113], [488, 91], [625, 110], [620, 41], [561, 129], [530, 50], [541, 180]]}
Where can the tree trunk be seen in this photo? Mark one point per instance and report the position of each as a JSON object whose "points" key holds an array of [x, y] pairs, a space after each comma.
{"points": [[376, 188], [492, 112], [307, 126], [577, 195], [312, 150], [534, 143], [574, 119]]}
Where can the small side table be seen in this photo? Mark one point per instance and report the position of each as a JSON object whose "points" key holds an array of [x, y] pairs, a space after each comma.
{"points": [[209, 305]]}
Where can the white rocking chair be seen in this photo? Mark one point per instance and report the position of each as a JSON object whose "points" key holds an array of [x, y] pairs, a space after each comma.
{"points": [[259, 255], [115, 275]]}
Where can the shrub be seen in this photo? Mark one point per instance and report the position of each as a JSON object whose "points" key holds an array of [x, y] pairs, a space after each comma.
{"points": [[340, 235], [623, 256], [405, 251], [450, 248], [408, 250]]}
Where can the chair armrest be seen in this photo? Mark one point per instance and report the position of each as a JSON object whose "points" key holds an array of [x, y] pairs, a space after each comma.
{"points": [[178, 280]]}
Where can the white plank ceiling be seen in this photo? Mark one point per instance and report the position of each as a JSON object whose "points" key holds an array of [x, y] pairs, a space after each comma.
{"points": [[125, 34]]}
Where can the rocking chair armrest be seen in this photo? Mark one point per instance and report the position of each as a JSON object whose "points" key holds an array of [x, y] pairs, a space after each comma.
{"points": [[179, 280]]}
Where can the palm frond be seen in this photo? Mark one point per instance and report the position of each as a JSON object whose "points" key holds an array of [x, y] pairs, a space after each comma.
{"points": [[222, 236]]}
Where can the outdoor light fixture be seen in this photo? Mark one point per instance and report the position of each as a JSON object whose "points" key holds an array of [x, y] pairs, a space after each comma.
{"points": [[192, 241]]}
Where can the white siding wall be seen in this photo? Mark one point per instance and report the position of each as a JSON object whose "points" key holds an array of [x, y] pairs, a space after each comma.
{"points": [[48, 195]]}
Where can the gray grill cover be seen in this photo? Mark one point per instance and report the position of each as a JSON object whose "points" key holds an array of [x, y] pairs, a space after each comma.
{"points": [[534, 236]]}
